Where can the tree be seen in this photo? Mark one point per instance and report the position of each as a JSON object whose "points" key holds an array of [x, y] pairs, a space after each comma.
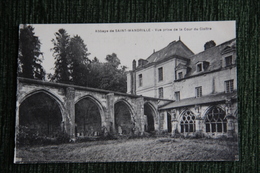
{"points": [[79, 62], [29, 60], [60, 53], [108, 75]]}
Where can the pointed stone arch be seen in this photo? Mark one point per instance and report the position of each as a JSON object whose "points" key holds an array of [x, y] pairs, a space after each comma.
{"points": [[215, 120], [41, 113], [124, 117], [21, 99], [187, 121], [96, 123], [150, 117]]}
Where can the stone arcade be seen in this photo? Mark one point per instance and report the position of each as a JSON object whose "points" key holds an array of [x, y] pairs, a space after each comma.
{"points": [[138, 114]]}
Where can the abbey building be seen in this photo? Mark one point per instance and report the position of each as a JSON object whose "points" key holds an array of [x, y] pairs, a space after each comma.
{"points": [[202, 87]]}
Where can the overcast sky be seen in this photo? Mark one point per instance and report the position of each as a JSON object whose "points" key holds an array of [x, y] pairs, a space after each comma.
{"points": [[134, 40]]}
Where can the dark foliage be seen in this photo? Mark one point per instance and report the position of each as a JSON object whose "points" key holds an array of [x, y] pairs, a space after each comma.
{"points": [[29, 55], [27, 137], [61, 55]]}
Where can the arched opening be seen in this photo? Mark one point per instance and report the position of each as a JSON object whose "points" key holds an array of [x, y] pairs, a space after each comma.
{"points": [[40, 118], [149, 118], [87, 118], [215, 120], [187, 122], [123, 122]]}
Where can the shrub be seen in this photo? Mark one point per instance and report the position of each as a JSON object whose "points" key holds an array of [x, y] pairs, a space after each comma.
{"points": [[28, 137]]}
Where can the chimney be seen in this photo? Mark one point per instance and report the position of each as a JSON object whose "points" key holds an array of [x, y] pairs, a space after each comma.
{"points": [[209, 44], [140, 62], [134, 65]]}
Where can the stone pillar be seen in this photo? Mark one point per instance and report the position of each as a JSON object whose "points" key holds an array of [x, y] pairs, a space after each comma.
{"points": [[140, 114], [70, 107], [110, 114], [199, 123], [164, 121], [174, 123], [230, 125]]}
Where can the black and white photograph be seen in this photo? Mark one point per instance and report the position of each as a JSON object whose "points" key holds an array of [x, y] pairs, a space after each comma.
{"points": [[127, 92]]}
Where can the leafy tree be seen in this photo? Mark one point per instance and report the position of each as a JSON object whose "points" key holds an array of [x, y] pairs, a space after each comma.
{"points": [[79, 62], [29, 60], [60, 53], [108, 75]]}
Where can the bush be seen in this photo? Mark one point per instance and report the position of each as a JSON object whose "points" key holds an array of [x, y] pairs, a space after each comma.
{"points": [[27, 137]]}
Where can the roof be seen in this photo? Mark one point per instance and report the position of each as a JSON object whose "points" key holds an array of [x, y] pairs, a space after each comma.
{"points": [[174, 48], [211, 55], [201, 100]]}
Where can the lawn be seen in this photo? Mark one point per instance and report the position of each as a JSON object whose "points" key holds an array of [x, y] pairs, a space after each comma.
{"points": [[146, 149]]}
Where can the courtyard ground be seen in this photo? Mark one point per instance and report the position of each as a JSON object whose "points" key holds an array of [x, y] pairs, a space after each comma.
{"points": [[146, 149]]}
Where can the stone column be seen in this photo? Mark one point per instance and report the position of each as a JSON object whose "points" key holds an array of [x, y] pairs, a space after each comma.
{"points": [[230, 125], [70, 107], [110, 114], [199, 123], [174, 123], [140, 113]]}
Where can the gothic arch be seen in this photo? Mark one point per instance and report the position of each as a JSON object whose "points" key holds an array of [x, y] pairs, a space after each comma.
{"points": [[215, 120], [101, 108], [210, 107], [187, 121], [129, 106], [151, 117], [52, 95], [124, 120]]}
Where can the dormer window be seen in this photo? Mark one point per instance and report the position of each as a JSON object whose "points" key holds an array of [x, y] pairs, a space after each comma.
{"points": [[180, 75], [199, 67], [202, 66], [228, 60]]}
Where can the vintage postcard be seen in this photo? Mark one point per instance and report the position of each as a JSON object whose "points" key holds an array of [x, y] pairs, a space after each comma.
{"points": [[127, 92]]}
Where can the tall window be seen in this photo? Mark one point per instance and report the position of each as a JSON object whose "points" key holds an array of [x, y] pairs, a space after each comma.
{"points": [[228, 60], [160, 92], [140, 80], [180, 75], [229, 86], [160, 74], [177, 95], [198, 91], [187, 122], [215, 120]]}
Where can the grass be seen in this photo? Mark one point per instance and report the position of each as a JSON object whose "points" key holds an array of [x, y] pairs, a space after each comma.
{"points": [[146, 149]]}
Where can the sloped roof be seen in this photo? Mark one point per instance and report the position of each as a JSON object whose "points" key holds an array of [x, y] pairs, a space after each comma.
{"points": [[201, 100], [211, 55], [174, 48], [180, 66]]}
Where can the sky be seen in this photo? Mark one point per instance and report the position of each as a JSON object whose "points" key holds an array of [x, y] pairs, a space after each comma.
{"points": [[134, 40]]}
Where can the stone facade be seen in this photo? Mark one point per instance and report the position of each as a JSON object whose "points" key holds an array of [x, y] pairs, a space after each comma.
{"points": [[203, 88]]}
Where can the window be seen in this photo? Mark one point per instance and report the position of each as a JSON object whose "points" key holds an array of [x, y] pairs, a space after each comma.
{"points": [[228, 60], [229, 86], [180, 75], [187, 122], [198, 91], [215, 120], [160, 92], [199, 67], [177, 95], [140, 80], [160, 73]]}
